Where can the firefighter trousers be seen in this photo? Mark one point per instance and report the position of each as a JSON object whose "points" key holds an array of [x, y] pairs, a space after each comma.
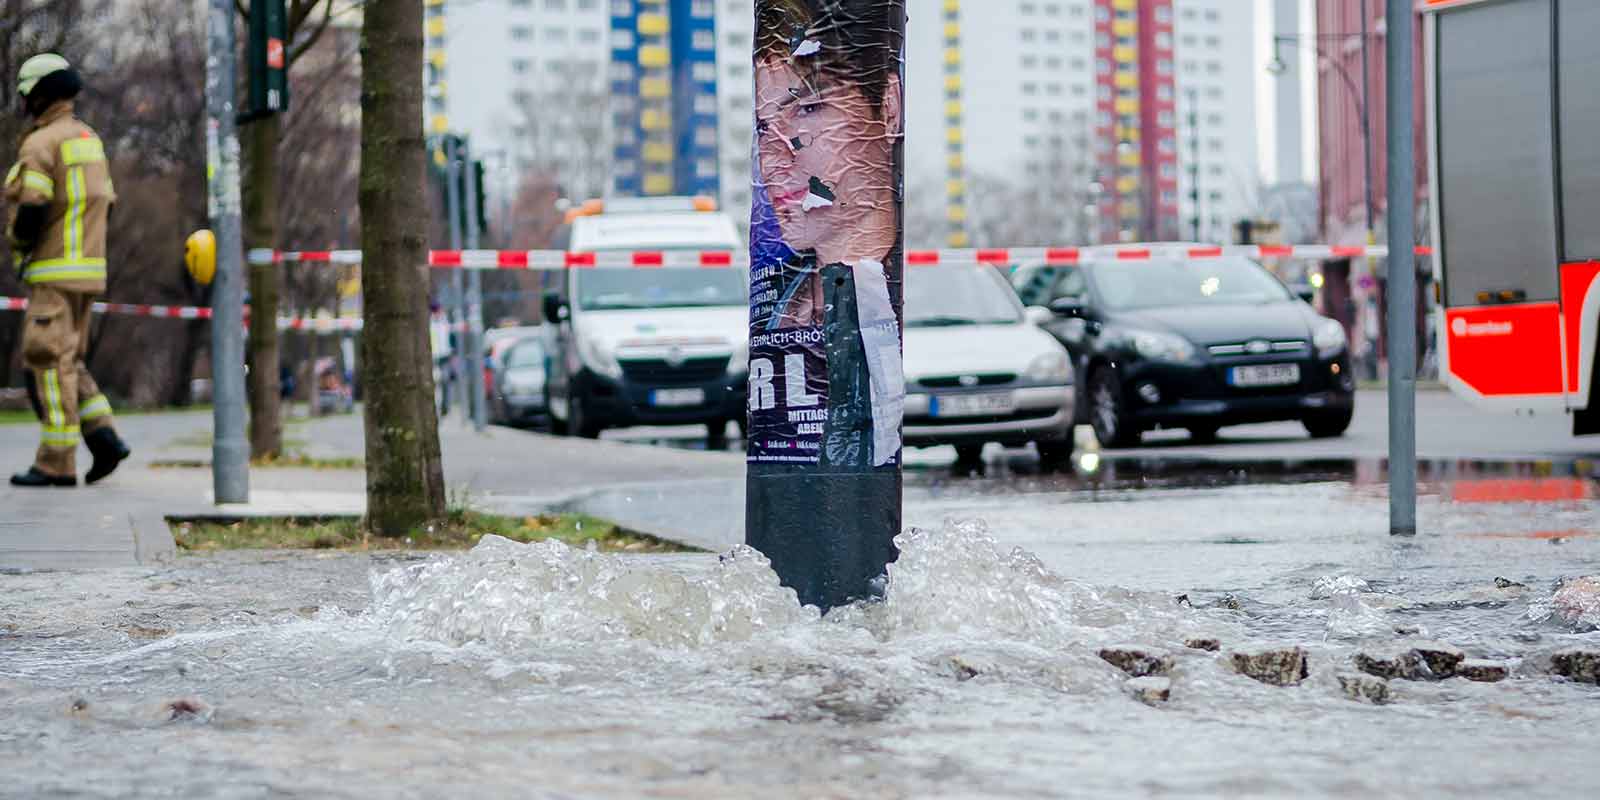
{"points": [[54, 341]]}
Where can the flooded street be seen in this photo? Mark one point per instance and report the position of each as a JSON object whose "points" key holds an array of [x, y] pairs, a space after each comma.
{"points": [[542, 671]]}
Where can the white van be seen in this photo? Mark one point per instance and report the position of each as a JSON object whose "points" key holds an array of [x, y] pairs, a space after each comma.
{"points": [[642, 346]]}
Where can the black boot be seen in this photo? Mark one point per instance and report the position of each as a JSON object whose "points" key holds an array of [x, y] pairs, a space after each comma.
{"points": [[34, 478], [108, 450]]}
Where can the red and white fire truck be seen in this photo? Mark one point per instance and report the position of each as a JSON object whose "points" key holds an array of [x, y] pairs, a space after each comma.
{"points": [[1513, 119]]}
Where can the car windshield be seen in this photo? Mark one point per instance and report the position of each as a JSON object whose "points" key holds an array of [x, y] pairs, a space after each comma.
{"points": [[526, 354], [606, 289], [958, 294], [1186, 282]]}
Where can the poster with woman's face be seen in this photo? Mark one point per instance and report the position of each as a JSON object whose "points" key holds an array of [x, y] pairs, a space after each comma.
{"points": [[826, 383]]}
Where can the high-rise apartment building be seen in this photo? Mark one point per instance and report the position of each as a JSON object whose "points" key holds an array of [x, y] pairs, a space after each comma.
{"points": [[1140, 111], [622, 96]]}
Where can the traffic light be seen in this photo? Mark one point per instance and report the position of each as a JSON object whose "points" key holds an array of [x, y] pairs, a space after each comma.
{"points": [[268, 57], [482, 198], [455, 143]]}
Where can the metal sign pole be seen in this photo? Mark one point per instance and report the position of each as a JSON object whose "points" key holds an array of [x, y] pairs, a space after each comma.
{"points": [[452, 153], [1402, 275], [826, 385], [474, 295], [230, 452]]}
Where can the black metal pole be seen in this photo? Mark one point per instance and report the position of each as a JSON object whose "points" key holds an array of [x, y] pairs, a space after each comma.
{"points": [[826, 383]]}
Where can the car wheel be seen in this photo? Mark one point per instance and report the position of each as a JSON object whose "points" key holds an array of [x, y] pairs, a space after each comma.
{"points": [[1108, 413], [969, 454], [717, 435], [1203, 434], [1054, 456], [1328, 424], [578, 422]]}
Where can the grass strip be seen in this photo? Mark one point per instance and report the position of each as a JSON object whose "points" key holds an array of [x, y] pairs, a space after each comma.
{"points": [[459, 531]]}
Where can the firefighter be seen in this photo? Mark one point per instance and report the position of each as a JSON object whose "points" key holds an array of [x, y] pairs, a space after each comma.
{"points": [[59, 194]]}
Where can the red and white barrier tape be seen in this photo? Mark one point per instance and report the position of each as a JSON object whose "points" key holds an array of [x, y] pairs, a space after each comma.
{"points": [[317, 324], [680, 259]]}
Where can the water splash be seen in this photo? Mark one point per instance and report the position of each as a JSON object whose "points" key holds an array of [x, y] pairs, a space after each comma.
{"points": [[1575, 604], [507, 595]]}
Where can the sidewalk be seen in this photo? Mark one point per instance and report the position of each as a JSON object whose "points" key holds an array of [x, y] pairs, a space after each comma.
{"points": [[121, 522]]}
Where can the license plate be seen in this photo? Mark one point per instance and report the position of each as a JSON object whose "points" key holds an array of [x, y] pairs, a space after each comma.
{"points": [[677, 397], [1265, 375], [971, 405]]}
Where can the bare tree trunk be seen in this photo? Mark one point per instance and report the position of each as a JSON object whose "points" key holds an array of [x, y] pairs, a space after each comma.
{"points": [[261, 231], [405, 479]]}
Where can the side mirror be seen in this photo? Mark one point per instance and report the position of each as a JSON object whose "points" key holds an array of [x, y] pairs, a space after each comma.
{"points": [[1306, 292], [554, 309], [1068, 306], [1038, 315]]}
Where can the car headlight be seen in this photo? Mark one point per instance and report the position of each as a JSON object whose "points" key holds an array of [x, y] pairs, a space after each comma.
{"points": [[1158, 346], [597, 358], [1328, 337], [739, 363], [1050, 368]]}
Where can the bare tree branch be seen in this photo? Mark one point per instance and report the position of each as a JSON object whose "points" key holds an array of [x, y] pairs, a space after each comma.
{"points": [[310, 41]]}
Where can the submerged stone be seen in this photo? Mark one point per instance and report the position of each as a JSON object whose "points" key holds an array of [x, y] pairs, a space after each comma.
{"points": [[1582, 666], [1275, 666], [1137, 661], [1364, 688], [1507, 583], [1420, 661], [1207, 644], [1477, 669], [1150, 690]]}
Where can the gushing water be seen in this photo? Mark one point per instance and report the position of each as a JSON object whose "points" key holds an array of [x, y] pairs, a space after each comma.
{"points": [[543, 670]]}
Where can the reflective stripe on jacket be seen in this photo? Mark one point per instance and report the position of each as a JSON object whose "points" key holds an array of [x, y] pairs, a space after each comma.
{"points": [[62, 164]]}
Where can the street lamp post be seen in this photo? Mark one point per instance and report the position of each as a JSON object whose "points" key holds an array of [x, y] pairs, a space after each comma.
{"points": [[1278, 67], [1359, 95]]}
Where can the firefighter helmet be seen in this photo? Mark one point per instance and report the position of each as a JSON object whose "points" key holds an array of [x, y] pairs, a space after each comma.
{"points": [[36, 68], [200, 256]]}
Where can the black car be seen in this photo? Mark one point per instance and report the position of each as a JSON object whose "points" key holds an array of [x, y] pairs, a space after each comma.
{"points": [[1195, 343]]}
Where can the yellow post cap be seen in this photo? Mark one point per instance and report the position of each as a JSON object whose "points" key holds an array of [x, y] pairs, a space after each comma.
{"points": [[200, 256]]}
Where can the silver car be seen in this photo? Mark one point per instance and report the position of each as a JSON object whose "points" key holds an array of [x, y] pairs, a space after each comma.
{"points": [[978, 367]]}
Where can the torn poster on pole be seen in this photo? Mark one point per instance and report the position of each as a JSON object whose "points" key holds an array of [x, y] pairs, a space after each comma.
{"points": [[826, 383], [827, 389]]}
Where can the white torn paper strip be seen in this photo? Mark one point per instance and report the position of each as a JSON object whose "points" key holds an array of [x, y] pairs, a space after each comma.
{"points": [[808, 47], [880, 338], [814, 200]]}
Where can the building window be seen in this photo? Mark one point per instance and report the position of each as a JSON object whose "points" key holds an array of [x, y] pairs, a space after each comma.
{"points": [[1052, 36], [1169, 170], [521, 3], [1212, 15], [1029, 9], [1030, 88], [1052, 10], [1164, 119], [555, 35], [1053, 89], [555, 5], [588, 5], [1214, 67], [521, 33], [1030, 115], [1164, 14], [521, 66], [1027, 35], [1053, 62], [1030, 62], [704, 71], [1164, 92], [588, 35], [1164, 66]]}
